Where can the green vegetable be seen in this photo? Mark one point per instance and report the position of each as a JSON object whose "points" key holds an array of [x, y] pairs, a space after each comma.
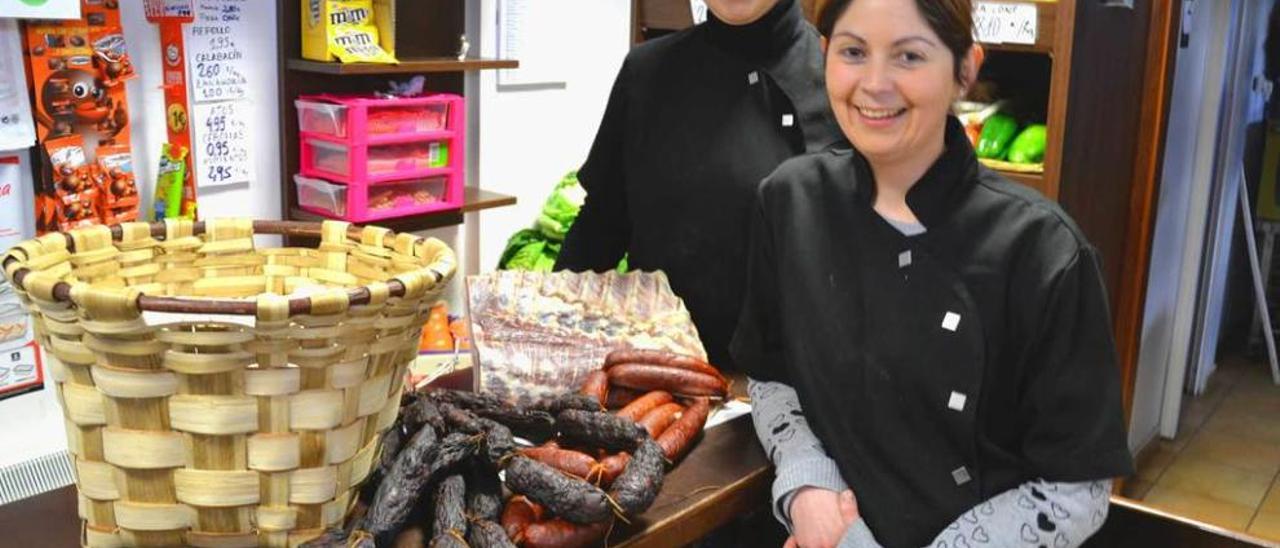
{"points": [[561, 207], [1028, 146], [997, 132]]}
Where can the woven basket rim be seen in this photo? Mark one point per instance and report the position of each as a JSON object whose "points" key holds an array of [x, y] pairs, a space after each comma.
{"points": [[440, 270]]}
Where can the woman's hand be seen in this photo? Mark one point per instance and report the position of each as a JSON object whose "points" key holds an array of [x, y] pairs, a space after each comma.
{"points": [[819, 517]]}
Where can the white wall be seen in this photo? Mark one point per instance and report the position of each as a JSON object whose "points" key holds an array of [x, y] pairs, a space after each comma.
{"points": [[529, 138], [259, 199]]}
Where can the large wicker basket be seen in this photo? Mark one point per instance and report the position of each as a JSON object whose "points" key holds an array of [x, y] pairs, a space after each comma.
{"points": [[206, 402]]}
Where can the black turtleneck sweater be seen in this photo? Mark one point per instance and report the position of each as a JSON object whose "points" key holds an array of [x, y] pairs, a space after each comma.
{"points": [[695, 121]]}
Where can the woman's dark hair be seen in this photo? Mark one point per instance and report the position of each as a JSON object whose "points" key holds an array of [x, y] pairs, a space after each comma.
{"points": [[951, 20]]}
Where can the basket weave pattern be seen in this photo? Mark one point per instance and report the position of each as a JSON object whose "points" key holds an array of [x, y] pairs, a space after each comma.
{"points": [[224, 430]]}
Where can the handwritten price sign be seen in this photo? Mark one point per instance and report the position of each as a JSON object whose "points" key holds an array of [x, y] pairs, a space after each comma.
{"points": [[1005, 23], [216, 61], [222, 144]]}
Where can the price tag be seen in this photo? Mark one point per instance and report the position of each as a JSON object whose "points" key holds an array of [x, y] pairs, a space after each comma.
{"points": [[222, 143], [215, 59], [1005, 23]]}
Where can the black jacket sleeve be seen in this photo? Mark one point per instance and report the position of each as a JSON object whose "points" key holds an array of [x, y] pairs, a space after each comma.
{"points": [[600, 235], [757, 345], [1072, 404]]}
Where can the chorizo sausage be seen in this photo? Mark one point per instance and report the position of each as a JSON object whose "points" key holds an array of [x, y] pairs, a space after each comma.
{"points": [[519, 513], [676, 381], [613, 466], [596, 385], [659, 357], [644, 404], [558, 533], [656, 421], [678, 438], [565, 460], [619, 397]]}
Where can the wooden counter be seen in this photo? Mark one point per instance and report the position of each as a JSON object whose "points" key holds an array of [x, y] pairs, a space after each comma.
{"points": [[725, 476]]}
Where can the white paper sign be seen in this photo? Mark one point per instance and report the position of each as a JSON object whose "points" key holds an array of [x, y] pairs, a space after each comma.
{"points": [[699, 10], [17, 128], [40, 9], [215, 58], [533, 32], [222, 143], [1001, 23]]}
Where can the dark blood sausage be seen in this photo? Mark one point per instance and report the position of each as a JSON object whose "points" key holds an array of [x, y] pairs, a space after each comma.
{"points": [[596, 385], [392, 440], [572, 400], [460, 420], [644, 404], [565, 460], [636, 488], [421, 461], [448, 540], [519, 513], [487, 534], [599, 430], [677, 381], [657, 421], [465, 398], [658, 357], [530, 424], [558, 533], [613, 466], [449, 497], [678, 438], [484, 492], [422, 411], [404, 485], [564, 495], [498, 443], [620, 397]]}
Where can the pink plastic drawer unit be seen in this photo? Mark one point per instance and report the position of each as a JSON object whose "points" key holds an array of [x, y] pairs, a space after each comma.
{"points": [[362, 119], [369, 145], [375, 202], [377, 163]]}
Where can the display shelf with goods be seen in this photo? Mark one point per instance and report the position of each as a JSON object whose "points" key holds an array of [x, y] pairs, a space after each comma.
{"points": [[404, 196]]}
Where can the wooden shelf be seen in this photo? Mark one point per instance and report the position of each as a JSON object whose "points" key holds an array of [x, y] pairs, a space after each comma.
{"points": [[1046, 26], [473, 199], [406, 66]]}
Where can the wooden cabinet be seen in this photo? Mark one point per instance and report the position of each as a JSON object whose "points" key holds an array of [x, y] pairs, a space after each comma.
{"points": [[427, 45]]}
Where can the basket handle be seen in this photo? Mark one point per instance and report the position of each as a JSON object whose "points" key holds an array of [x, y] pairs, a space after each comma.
{"points": [[297, 305]]}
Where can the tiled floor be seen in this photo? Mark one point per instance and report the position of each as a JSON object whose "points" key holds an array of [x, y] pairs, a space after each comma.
{"points": [[1224, 466]]}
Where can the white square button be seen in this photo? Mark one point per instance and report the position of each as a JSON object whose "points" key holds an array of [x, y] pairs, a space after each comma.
{"points": [[753, 77], [957, 400], [961, 475], [788, 120], [951, 321], [904, 259]]}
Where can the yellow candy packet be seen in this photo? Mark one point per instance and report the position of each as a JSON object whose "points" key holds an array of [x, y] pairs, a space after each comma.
{"points": [[342, 29]]}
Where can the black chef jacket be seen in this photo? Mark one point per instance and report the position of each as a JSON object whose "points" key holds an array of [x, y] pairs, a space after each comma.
{"points": [[694, 122], [942, 369]]}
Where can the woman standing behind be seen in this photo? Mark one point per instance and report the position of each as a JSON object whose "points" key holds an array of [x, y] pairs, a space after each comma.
{"points": [[944, 330], [694, 122]]}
